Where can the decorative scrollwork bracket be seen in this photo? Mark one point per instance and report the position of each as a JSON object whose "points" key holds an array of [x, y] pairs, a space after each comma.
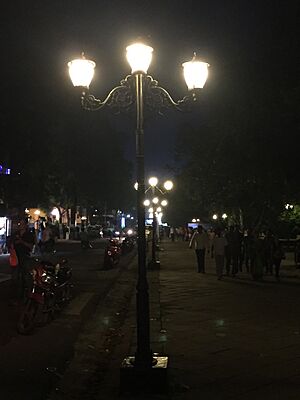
{"points": [[122, 98]]}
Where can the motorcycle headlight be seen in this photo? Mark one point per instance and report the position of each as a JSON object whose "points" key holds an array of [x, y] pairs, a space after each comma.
{"points": [[45, 278]]}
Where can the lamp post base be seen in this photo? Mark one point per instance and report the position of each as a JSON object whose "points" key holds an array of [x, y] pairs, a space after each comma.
{"points": [[154, 264], [140, 380]]}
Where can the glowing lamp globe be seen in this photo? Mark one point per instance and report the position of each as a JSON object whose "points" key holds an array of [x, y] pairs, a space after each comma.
{"points": [[195, 73], [153, 181], [81, 72], [139, 57], [168, 185]]}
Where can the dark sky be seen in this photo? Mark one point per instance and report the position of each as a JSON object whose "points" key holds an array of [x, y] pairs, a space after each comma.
{"points": [[242, 40]]}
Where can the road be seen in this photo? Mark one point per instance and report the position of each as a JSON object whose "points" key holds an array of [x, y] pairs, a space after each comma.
{"points": [[30, 365]]}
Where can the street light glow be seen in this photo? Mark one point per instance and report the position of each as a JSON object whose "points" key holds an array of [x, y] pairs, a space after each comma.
{"points": [[147, 203], [164, 203], [195, 73], [215, 216], [168, 185], [224, 216], [139, 57], [153, 181], [155, 200], [81, 72]]}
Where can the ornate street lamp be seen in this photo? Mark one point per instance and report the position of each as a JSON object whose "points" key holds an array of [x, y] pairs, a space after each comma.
{"points": [[168, 185], [139, 90]]}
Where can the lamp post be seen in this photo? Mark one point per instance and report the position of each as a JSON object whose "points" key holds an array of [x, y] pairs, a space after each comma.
{"points": [[168, 185], [139, 90]]}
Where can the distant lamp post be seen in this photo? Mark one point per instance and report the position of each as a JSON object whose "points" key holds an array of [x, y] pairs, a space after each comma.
{"points": [[138, 91], [167, 186]]}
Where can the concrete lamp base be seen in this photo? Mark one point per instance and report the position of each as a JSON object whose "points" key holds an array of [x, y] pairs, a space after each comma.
{"points": [[136, 380]]}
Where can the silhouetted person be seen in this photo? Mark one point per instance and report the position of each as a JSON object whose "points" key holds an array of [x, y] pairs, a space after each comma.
{"points": [[199, 242], [219, 244]]}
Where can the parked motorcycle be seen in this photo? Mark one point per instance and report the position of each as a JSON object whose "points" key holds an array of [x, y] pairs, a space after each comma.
{"points": [[50, 288], [127, 244], [112, 254]]}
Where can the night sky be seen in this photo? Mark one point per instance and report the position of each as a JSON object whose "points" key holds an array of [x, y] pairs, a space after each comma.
{"points": [[243, 41]]}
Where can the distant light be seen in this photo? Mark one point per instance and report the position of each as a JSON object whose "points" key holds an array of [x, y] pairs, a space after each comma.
{"points": [[37, 212], [128, 216], [136, 186], [123, 222], [164, 203], [289, 206], [194, 220], [153, 181], [83, 218], [131, 217], [155, 200], [168, 185], [215, 216], [27, 211], [224, 216], [158, 209], [150, 210], [129, 232], [55, 213], [147, 203], [198, 219]]}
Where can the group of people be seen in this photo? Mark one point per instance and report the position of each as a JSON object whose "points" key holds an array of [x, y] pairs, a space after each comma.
{"points": [[233, 249]]}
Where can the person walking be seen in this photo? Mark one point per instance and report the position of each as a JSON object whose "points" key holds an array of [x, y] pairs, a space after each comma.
{"points": [[219, 244], [22, 240], [233, 251], [278, 256], [172, 233], [199, 242]]}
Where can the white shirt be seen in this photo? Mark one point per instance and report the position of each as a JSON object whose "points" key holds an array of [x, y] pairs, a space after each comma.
{"points": [[199, 241]]}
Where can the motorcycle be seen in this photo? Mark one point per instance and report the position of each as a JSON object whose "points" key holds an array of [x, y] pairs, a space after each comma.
{"points": [[50, 288], [112, 254], [127, 245]]}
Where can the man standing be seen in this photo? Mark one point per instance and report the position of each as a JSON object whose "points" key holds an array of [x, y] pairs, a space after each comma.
{"points": [[199, 242]]}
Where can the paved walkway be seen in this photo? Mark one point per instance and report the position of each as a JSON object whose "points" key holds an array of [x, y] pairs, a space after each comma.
{"points": [[229, 339]]}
